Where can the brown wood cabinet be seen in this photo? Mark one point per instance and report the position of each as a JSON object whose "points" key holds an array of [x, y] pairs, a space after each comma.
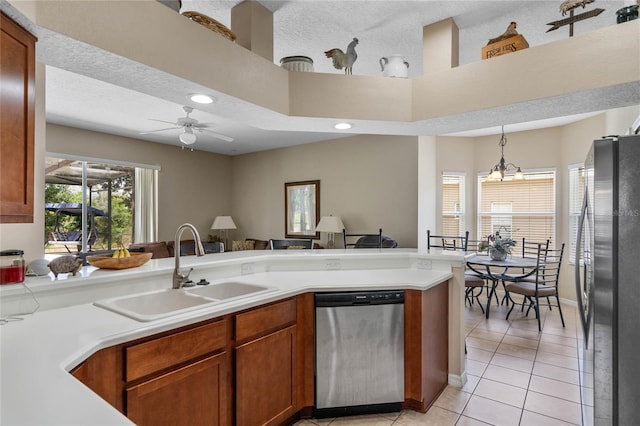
{"points": [[265, 378], [196, 394], [266, 364], [260, 361], [426, 359], [101, 373], [182, 378], [17, 121]]}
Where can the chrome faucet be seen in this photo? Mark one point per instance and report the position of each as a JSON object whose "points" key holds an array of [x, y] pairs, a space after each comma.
{"points": [[180, 277]]}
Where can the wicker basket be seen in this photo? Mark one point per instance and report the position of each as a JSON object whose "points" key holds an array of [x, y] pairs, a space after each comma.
{"points": [[210, 23]]}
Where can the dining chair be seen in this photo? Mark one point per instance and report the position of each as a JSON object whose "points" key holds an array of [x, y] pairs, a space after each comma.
{"points": [[474, 246], [457, 242], [530, 248], [290, 244], [473, 282], [544, 283], [355, 240], [530, 251]]}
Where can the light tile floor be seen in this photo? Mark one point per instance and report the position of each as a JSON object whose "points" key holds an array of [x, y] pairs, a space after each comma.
{"points": [[516, 375]]}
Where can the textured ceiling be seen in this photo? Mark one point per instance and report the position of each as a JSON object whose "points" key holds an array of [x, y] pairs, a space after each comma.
{"points": [[303, 27]]}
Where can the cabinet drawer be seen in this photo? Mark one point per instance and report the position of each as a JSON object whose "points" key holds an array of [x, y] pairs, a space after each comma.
{"points": [[155, 355], [261, 320]]}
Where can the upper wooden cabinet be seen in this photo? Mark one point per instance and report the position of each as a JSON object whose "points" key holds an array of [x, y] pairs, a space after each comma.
{"points": [[17, 122]]}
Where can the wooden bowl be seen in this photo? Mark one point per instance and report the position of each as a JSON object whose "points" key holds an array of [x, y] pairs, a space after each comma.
{"points": [[105, 261]]}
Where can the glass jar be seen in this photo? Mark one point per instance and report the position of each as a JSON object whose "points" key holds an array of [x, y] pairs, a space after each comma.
{"points": [[11, 266]]}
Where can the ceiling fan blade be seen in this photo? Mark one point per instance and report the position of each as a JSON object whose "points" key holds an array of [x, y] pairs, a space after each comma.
{"points": [[207, 124], [160, 130], [163, 121], [217, 135]]}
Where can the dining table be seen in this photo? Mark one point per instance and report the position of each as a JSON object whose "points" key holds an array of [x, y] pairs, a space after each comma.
{"points": [[497, 270]]}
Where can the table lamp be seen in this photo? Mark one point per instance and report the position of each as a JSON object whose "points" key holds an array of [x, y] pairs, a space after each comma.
{"points": [[331, 225], [223, 223]]}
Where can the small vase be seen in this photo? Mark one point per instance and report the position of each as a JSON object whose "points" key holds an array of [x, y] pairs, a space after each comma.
{"points": [[497, 255]]}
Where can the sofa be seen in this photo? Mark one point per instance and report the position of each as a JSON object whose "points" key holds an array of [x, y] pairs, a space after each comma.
{"points": [[162, 249]]}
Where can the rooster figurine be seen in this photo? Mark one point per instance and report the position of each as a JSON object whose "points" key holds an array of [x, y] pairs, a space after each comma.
{"points": [[344, 60], [511, 31]]}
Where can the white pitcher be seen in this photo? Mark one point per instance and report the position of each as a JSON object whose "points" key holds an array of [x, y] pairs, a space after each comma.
{"points": [[394, 66]]}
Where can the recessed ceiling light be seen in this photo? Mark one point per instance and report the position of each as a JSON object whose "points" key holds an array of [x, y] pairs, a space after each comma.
{"points": [[201, 98], [343, 126]]}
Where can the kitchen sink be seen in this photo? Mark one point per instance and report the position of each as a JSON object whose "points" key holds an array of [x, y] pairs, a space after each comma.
{"points": [[164, 303], [155, 305], [228, 290]]}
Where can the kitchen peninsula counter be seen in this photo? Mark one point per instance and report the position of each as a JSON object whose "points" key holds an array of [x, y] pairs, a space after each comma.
{"points": [[38, 352]]}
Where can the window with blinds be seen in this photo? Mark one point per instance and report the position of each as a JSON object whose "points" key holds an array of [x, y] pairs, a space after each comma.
{"points": [[518, 209], [453, 208], [576, 196]]}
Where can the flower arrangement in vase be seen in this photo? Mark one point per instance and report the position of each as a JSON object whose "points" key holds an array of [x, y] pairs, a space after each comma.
{"points": [[497, 246]]}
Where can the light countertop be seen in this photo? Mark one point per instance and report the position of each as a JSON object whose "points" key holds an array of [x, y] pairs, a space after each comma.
{"points": [[37, 352]]}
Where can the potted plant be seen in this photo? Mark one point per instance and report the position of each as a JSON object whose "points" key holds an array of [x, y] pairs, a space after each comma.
{"points": [[497, 246]]}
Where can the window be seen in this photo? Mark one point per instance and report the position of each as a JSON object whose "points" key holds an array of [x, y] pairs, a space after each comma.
{"points": [[453, 209], [106, 192], [576, 196], [501, 220], [519, 209]]}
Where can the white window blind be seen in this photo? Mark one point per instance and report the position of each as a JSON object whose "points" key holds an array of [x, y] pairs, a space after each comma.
{"points": [[453, 208], [519, 209], [576, 195]]}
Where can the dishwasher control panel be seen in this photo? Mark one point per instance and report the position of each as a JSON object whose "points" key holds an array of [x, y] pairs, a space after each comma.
{"points": [[354, 298]]}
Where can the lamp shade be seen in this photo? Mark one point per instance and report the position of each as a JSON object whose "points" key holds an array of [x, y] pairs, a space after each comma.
{"points": [[330, 224], [223, 222]]}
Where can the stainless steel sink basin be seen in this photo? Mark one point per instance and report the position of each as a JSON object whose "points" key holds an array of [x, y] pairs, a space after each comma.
{"points": [[228, 290], [155, 305]]}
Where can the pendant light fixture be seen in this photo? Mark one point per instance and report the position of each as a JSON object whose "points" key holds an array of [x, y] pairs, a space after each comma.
{"points": [[498, 171]]}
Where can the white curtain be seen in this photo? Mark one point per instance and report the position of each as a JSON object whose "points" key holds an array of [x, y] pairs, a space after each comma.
{"points": [[146, 205]]}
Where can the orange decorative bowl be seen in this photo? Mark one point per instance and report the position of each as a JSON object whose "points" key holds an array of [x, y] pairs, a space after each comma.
{"points": [[105, 261]]}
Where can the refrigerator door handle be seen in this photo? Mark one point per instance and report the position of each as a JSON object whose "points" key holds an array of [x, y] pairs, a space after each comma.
{"points": [[578, 269]]}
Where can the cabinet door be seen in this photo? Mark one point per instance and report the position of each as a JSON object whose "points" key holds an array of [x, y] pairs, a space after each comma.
{"points": [[265, 379], [17, 103], [193, 395]]}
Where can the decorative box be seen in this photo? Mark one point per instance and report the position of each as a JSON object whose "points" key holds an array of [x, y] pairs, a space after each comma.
{"points": [[502, 47]]}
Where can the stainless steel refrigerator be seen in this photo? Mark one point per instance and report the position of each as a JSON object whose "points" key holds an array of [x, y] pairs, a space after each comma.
{"points": [[608, 283]]}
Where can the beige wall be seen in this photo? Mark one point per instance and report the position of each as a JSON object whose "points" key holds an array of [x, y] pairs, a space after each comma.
{"points": [[457, 154], [193, 186], [369, 181]]}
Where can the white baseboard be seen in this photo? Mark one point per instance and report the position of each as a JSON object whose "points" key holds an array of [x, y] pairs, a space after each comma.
{"points": [[458, 380], [569, 302]]}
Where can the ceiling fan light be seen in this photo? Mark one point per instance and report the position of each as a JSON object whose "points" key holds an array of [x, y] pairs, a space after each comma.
{"points": [[187, 137], [201, 98]]}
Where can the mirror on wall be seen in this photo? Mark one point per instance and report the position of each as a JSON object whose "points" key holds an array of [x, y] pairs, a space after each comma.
{"points": [[302, 208]]}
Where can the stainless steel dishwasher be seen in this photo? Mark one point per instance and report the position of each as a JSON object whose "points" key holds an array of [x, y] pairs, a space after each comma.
{"points": [[359, 352]]}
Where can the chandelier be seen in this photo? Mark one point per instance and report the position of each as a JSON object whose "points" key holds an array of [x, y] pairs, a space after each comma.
{"points": [[498, 171]]}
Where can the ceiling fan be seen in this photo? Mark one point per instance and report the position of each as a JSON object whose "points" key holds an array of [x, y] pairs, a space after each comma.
{"points": [[188, 125]]}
